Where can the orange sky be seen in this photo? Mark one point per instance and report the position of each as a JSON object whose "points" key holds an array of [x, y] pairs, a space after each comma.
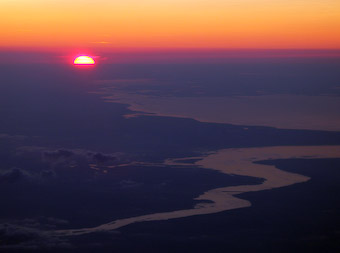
{"points": [[170, 23]]}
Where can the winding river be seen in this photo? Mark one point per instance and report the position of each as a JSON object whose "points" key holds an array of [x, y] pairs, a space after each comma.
{"points": [[240, 161]]}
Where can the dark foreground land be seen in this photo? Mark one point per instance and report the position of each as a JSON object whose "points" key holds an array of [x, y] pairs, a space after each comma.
{"points": [[299, 218]]}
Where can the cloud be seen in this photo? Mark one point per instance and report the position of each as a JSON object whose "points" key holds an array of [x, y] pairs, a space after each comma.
{"points": [[47, 174], [59, 154], [43, 165], [101, 42], [42, 222], [126, 184], [19, 237], [63, 155], [102, 158], [12, 137], [13, 175]]}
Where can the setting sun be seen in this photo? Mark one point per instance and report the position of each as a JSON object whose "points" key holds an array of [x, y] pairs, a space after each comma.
{"points": [[84, 60]]}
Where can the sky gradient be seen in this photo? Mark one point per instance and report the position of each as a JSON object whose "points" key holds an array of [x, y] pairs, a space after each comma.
{"points": [[307, 24]]}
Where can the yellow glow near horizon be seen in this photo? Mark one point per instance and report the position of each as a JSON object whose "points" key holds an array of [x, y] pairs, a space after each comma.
{"points": [[83, 60], [171, 23]]}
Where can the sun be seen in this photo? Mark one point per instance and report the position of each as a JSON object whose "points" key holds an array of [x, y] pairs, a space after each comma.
{"points": [[84, 60]]}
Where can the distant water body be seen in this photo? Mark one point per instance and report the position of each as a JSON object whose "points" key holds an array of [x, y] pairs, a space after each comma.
{"points": [[280, 111], [232, 162]]}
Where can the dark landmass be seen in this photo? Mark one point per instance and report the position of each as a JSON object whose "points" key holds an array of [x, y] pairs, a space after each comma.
{"points": [[60, 147], [87, 199], [299, 218]]}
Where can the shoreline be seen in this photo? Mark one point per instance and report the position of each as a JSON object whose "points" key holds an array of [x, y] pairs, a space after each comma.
{"points": [[279, 111]]}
